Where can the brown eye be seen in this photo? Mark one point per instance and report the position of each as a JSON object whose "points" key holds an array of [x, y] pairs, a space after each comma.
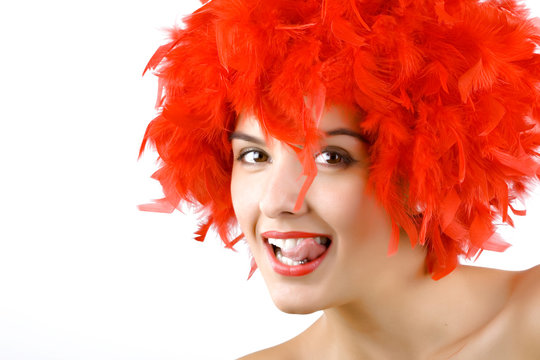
{"points": [[333, 158], [330, 157], [253, 157]]}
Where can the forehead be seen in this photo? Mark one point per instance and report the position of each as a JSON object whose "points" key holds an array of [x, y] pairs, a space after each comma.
{"points": [[340, 117], [248, 123], [335, 116]]}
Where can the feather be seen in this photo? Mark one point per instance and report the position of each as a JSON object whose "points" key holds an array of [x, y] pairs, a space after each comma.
{"points": [[252, 268], [442, 16], [472, 80], [449, 92], [424, 227], [159, 205], [358, 16], [495, 243], [393, 245], [521, 166], [309, 171], [449, 208], [461, 156], [495, 111], [203, 230], [235, 241], [160, 53], [518, 212], [344, 30]]}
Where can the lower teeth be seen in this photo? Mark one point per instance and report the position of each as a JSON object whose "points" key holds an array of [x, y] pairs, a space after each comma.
{"points": [[287, 261]]}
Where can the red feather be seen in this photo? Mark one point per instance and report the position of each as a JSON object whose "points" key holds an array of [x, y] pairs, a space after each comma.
{"points": [[449, 91], [253, 268], [203, 230]]}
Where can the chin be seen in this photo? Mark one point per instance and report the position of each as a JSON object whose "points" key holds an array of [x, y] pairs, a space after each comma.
{"points": [[299, 309], [294, 303]]}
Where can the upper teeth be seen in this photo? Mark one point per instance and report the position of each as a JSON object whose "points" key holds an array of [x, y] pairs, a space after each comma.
{"points": [[291, 243]]}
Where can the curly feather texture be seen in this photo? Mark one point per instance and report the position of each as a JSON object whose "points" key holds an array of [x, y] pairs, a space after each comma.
{"points": [[449, 88]]}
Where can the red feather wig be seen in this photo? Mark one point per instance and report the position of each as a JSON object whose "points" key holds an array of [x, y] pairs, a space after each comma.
{"points": [[449, 90]]}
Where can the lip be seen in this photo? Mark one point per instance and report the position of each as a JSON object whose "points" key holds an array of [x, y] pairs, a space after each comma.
{"points": [[292, 270], [290, 234]]}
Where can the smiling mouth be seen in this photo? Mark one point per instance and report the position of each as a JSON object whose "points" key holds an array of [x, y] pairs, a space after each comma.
{"points": [[295, 253], [299, 251]]}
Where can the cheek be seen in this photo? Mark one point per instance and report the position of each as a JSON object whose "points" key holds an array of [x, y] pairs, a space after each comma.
{"points": [[244, 201], [352, 213], [238, 200], [339, 199]]}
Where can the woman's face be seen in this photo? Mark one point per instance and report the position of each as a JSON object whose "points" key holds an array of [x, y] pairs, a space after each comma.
{"points": [[266, 181]]}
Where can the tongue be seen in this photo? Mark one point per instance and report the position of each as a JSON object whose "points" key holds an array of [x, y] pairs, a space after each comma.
{"points": [[307, 249]]}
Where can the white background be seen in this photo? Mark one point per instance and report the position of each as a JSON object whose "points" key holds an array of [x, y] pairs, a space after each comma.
{"points": [[83, 274]]}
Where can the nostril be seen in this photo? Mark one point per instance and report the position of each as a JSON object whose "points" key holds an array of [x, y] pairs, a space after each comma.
{"points": [[278, 202]]}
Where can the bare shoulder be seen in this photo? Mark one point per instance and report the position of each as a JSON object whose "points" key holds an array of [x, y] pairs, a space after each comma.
{"points": [[282, 351], [300, 347], [527, 290], [527, 301]]}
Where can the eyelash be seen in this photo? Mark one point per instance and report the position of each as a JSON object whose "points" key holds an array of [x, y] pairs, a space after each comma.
{"points": [[241, 157], [346, 159]]}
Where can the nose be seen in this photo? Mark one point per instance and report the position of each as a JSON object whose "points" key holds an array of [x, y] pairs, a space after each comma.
{"points": [[283, 186]]}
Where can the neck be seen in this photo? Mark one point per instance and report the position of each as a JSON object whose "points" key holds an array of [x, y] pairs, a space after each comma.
{"points": [[412, 316]]}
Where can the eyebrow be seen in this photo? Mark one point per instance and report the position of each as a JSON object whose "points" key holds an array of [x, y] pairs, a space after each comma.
{"points": [[246, 137], [343, 131], [339, 131]]}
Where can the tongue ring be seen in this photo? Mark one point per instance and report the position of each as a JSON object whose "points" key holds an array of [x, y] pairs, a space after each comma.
{"points": [[307, 249]]}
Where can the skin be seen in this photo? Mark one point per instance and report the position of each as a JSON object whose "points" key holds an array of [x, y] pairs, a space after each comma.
{"points": [[374, 306]]}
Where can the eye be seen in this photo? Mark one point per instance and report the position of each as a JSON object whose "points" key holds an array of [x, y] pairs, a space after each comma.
{"points": [[253, 156], [333, 157], [328, 157]]}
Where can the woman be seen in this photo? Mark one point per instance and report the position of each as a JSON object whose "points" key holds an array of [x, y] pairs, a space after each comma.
{"points": [[347, 132]]}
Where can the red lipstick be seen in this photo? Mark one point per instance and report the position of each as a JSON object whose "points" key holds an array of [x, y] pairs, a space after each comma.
{"points": [[290, 234], [292, 270]]}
